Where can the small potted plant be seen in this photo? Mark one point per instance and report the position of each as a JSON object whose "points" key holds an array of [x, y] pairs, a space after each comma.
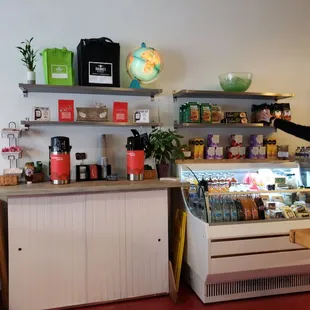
{"points": [[165, 147], [29, 57]]}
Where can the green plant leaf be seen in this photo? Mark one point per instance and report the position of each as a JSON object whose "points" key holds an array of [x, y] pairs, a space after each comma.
{"points": [[28, 54]]}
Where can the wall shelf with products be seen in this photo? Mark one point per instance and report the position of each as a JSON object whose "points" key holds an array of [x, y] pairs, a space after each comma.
{"points": [[189, 93], [90, 90], [28, 124], [220, 125]]}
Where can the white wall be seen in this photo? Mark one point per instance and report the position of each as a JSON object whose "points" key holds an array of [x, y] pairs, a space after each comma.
{"points": [[199, 39]]}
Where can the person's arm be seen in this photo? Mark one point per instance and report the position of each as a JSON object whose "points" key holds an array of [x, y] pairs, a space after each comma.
{"points": [[299, 131]]}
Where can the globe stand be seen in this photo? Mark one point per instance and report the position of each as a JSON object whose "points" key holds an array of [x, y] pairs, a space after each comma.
{"points": [[134, 84]]}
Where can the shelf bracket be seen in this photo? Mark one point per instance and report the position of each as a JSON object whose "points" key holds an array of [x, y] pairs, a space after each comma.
{"points": [[152, 98], [175, 126], [25, 93], [175, 98]]}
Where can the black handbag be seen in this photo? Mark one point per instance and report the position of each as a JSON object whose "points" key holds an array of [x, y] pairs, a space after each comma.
{"points": [[98, 62]]}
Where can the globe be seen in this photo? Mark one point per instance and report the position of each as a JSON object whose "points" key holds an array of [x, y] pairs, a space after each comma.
{"points": [[144, 65]]}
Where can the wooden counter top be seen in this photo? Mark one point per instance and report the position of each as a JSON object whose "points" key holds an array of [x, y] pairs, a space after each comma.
{"points": [[47, 188]]}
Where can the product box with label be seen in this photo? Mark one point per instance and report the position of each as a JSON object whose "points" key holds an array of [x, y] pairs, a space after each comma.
{"points": [[219, 152], [235, 117], [41, 114], [58, 66], [99, 62], [66, 110], [120, 112], [236, 152], [196, 146], [256, 140], [257, 152], [253, 152], [213, 140], [141, 116], [261, 152], [210, 152], [236, 140]]}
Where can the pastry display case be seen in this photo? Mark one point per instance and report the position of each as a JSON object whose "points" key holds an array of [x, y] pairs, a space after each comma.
{"points": [[239, 214]]}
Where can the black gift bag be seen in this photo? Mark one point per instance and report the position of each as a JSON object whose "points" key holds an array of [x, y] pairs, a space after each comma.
{"points": [[98, 62]]}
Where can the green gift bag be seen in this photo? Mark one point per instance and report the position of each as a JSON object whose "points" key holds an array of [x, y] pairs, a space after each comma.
{"points": [[58, 66]]}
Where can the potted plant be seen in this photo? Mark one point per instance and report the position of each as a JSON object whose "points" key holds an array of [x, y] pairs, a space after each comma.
{"points": [[164, 146], [29, 57]]}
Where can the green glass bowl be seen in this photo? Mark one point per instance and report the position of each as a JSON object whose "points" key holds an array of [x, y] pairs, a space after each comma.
{"points": [[236, 81]]}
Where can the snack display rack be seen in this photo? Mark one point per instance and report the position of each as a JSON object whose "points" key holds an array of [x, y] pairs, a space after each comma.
{"points": [[227, 258]]}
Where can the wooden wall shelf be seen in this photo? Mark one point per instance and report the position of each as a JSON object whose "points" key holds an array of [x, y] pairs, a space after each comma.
{"points": [[82, 123], [113, 91], [189, 93]]}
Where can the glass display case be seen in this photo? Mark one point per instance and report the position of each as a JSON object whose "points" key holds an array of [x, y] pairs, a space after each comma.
{"points": [[239, 214], [225, 193]]}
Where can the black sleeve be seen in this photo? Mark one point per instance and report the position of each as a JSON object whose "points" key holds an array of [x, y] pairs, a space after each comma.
{"points": [[299, 131]]}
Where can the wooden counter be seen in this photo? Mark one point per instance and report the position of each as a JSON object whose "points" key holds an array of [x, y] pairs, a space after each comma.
{"points": [[47, 188], [87, 242]]}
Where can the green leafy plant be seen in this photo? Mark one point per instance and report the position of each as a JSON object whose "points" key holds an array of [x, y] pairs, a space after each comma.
{"points": [[29, 55], [164, 146]]}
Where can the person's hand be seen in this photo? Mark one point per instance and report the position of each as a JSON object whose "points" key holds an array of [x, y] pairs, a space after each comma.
{"points": [[265, 116]]}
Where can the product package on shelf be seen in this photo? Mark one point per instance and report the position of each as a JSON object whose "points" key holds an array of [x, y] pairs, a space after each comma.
{"points": [[278, 110], [99, 113], [141, 116], [206, 114], [196, 146], [120, 112], [58, 66], [212, 152], [236, 152], [41, 113], [98, 62], [256, 152], [65, 110], [236, 140], [235, 118], [196, 112]]}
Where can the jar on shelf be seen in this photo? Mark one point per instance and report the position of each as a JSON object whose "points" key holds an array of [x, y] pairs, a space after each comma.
{"points": [[283, 152], [29, 171]]}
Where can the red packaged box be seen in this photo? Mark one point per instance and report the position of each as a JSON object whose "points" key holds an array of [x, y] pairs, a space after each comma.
{"points": [[120, 112], [66, 110]]}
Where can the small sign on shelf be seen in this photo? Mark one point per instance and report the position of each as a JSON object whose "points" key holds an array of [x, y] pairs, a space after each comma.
{"points": [[41, 114]]}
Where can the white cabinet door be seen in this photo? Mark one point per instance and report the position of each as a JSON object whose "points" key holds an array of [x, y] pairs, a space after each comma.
{"points": [[127, 244], [47, 252]]}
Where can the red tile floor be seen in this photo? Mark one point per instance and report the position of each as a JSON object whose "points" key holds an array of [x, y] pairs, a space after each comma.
{"points": [[189, 301]]}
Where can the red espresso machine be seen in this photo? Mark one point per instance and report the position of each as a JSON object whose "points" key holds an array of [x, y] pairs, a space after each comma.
{"points": [[60, 165], [135, 157]]}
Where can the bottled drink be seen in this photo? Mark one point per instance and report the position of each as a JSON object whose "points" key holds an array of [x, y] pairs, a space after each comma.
{"points": [[218, 211], [233, 210], [240, 211], [297, 153], [261, 208], [302, 153], [226, 210]]}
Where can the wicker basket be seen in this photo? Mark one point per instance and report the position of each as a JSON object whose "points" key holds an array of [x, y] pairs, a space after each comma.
{"points": [[150, 174], [92, 114], [8, 180]]}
